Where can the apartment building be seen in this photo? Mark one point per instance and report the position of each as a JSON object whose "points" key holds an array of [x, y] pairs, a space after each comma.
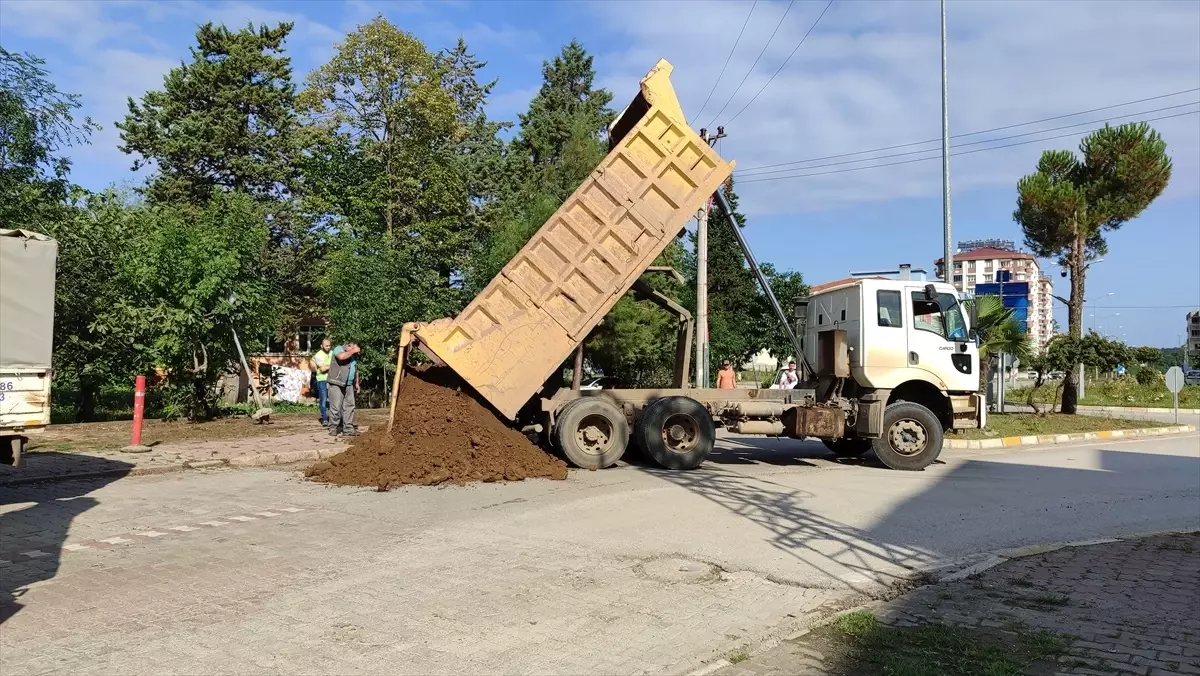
{"points": [[1193, 333], [1026, 290]]}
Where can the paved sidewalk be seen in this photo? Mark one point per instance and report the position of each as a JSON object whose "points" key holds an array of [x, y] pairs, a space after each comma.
{"points": [[1128, 607], [247, 451]]}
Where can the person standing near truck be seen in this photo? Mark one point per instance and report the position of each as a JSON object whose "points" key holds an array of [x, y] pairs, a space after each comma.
{"points": [[321, 359], [342, 381], [726, 378], [789, 378]]}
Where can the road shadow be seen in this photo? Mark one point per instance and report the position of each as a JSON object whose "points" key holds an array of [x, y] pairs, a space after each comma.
{"points": [[959, 514], [35, 520]]}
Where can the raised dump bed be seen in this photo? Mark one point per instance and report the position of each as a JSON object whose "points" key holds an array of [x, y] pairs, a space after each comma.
{"points": [[541, 306]]}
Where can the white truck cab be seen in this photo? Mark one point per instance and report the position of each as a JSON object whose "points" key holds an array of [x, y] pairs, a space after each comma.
{"points": [[910, 342]]}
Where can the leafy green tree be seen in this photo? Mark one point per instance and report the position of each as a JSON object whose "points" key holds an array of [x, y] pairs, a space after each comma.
{"points": [[1146, 355], [372, 285], [92, 243], [1103, 353], [1068, 204], [766, 331], [224, 121], [37, 123], [189, 279], [379, 103]]}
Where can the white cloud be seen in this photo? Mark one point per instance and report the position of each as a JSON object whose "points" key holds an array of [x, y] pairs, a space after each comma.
{"points": [[869, 76]]}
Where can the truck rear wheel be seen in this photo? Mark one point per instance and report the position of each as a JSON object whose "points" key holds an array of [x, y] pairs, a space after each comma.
{"points": [[848, 447], [912, 437], [677, 432], [592, 433]]}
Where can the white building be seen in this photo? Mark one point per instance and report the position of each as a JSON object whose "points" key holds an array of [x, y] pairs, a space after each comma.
{"points": [[978, 262]]}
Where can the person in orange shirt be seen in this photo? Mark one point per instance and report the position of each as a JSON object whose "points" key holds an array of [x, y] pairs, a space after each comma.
{"points": [[726, 378]]}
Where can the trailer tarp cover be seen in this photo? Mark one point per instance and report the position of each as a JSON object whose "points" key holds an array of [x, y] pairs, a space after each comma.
{"points": [[27, 267]]}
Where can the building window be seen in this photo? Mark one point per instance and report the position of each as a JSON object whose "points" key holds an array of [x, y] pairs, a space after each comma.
{"points": [[970, 279], [275, 343], [971, 266], [890, 311], [1195, 332], [1020, 276], [310, 337]]}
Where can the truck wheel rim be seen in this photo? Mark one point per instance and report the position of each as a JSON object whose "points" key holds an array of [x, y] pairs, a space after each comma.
{"points": [[680, 433], [907, 437], [594, 434]]}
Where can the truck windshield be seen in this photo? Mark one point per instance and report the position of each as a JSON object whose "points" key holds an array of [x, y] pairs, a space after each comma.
{"points": [[943, 317]]}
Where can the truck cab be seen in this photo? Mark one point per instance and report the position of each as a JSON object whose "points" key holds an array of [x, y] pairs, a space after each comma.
{"points": [[908, 341]]}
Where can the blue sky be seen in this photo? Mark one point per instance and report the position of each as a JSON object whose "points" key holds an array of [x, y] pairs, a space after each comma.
{"points": [[867, 77]]}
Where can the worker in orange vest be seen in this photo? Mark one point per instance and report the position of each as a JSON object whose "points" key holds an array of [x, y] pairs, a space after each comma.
{"points": [[726, 377]]}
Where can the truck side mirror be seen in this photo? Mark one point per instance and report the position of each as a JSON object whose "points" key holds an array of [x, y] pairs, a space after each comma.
{"points": [[930, 292]]}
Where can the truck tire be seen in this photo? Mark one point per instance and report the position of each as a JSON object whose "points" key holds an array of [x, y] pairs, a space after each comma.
{"points": [[677, 432], [592, 432], [848, 447], [912, 437]]}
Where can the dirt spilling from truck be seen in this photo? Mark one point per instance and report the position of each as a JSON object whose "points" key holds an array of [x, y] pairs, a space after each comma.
{"points": [[443, 435]]}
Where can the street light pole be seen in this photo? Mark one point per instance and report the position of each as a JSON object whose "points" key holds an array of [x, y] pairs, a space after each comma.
{"points": [[947, 254]]}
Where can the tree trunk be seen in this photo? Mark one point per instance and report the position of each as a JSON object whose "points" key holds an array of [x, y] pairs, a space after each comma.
{"points": [[1030, 401], [1070, 392], [86, 411]]}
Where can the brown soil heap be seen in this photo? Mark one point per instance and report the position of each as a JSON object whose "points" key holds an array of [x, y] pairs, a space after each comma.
{"points": [[443, 434]]}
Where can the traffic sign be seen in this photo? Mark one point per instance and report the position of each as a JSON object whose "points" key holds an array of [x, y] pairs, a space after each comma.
{"points": [[1175, 379], [1174, 384]]}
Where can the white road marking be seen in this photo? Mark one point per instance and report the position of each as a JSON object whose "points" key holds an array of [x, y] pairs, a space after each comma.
{"points": [[35, 553], [265, 514], [182, 529], [152, 534], [213, 523], [116, 541], [291, 510], [75, 548], [242, 518]]}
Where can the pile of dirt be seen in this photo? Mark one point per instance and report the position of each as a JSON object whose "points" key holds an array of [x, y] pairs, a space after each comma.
{"points": [[443, 434]]}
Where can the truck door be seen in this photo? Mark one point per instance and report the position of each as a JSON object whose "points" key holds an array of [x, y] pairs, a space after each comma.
{"points": [[937, 330]]}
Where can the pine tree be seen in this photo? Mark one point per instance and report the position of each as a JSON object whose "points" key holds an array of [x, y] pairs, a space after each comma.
{"points": [[1065, 207], [222, 122], [561, 134]]}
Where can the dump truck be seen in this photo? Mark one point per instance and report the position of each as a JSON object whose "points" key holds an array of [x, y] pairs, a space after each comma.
{"points": [[889, 365], [27, 274]]}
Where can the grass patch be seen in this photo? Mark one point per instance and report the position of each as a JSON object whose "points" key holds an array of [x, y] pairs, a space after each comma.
{"points": [[1119, 392], [865, 646], [1028, 424], [739, 656]]}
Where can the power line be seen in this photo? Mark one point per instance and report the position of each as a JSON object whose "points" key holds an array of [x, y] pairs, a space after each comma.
{"points": [[760, 55], [785, 62], [972, 143], [1144, 307], [722, 74], [967, 152], [975, 133]]}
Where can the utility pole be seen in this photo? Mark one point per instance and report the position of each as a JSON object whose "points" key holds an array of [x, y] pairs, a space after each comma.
{"points": [[702, 277], [947, 255]]}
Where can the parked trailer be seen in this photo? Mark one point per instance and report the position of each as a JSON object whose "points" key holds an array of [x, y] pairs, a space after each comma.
{"points": [[512, 339], [27, 272]]}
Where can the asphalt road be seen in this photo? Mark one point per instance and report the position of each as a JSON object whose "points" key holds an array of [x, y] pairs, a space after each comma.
{"points": [[627, 570]]}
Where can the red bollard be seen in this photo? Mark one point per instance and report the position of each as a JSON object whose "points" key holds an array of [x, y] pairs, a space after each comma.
{"points": [[139, 412]]}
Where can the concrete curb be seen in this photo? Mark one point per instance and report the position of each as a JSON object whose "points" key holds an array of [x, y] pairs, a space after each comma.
{"points": [[1008, 442], [1135, 409], [259, 460]]}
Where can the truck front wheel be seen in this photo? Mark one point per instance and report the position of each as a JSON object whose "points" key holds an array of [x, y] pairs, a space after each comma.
{"points": [[912, 437], [677, 432], [592, 433]]}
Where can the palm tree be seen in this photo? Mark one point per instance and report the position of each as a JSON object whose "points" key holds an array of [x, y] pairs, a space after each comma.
{"points": [[998, 331]]}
